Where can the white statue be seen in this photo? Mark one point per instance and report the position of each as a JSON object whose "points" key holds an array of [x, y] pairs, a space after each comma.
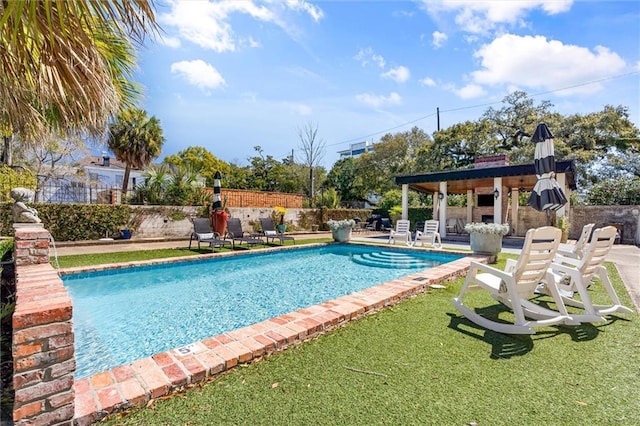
{"points": [[21, 212]]}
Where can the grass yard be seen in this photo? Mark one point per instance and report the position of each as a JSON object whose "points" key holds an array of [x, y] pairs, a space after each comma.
{"points": [[421, 363], [131, 256]]}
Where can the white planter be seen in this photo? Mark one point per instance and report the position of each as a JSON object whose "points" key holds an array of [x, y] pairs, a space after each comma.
{"points": [[488, 244], [342, 235]]}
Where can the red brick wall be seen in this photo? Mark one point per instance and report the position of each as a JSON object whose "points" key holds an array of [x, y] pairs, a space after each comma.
{"points": [[43, 347], [246, 198]]}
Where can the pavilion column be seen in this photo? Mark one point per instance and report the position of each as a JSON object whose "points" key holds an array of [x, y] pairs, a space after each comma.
{"points": [[442, 216], [497, 202], [405, 201], [514, 210], [562, 182], [469, 205]]}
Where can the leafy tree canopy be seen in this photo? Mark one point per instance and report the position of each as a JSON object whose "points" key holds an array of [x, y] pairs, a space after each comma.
{"points": [[199, 160]]}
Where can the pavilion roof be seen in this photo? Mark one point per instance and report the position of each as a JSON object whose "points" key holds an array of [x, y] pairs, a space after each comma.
{"points": [[521, 176]]}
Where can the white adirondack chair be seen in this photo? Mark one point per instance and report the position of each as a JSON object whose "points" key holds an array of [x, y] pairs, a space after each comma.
{"points": [[402, 232], [517, 284], [575, 276], [429, 234]]}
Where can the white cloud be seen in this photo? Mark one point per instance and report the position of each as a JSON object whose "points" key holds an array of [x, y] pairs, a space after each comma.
{"points": [[199, 74], [428, 81], [399, 74], [542, 64], [470, 91], [438, 39], [378, 101], [300, 5], [172, 42], [480, 16], [207, 24], [364, 56]]}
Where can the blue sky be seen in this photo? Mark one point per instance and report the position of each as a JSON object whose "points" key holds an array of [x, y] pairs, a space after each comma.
{"points": [[229, 75]]}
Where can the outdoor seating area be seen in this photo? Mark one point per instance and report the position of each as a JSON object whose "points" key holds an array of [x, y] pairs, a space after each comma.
{"points": [[202, 233], [402, 232], [428, 234], [542, 269], [573, 275], [270, 232]]}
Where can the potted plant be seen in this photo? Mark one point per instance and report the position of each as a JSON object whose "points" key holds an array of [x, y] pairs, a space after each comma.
{"points": [[219, 218], [341, 229], [125, 233], [278, 217], [563, 224], [486, 238]]}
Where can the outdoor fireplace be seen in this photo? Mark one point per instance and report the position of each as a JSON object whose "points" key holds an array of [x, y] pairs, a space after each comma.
{"points": [[487, 218]]}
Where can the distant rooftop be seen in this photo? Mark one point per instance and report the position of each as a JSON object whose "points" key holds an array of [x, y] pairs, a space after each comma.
{"points": [[356, 149]]}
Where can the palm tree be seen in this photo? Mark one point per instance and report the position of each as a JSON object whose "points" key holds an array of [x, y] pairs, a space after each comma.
{"points": [[66, 63], [136, 140]]}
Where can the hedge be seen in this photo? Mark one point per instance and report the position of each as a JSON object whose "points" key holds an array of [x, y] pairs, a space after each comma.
{"points": [[74, 222]]}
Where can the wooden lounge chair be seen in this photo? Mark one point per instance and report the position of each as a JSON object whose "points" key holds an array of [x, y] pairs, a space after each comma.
{"points": [[575, 276], [235, 232], [517, 284], [402, 232], [203, 233], [429, 233], [269, 231]]}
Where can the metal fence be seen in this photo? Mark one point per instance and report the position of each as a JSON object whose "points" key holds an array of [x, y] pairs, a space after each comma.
{"points": [[60, 191]]}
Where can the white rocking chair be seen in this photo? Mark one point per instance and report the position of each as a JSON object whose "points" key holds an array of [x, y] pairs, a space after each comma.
{"points": [[429, 234], [575, 275], [402, 232], [517, 284], [575, 250]]}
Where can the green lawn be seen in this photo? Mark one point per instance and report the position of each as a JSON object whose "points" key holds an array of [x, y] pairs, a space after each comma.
{"points": [[131, 256], [420, 363]]}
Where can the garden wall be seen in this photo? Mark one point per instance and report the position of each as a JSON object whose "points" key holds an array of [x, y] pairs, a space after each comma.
{"points": [[625, 218], [247, 198]]}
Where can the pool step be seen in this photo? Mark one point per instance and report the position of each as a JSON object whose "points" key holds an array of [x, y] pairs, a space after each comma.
{"points": [[387, 259]]}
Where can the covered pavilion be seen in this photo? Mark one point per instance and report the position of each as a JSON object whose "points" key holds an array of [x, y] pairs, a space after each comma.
{"points": [[487, 186]]}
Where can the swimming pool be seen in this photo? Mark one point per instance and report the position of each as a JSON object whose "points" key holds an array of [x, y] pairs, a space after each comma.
{"points": [[123, 315]]}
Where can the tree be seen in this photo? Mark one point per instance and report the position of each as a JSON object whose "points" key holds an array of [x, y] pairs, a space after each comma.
{"points": [[604, 143], [394, 155], [612, 192], [312, 149], [54, 157], [509, 125], [346, 179], [135, 140], [62, 61], [199, 160]]}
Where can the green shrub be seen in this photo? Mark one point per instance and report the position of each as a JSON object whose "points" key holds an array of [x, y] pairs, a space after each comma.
{"points": [[418, 214], [74, 222]]}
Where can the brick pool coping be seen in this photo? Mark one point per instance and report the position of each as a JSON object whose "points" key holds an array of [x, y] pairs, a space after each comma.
{"points": [[135, 384]]}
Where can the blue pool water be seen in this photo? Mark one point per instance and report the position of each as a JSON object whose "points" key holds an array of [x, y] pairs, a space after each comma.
{"points": [[126, 314]]}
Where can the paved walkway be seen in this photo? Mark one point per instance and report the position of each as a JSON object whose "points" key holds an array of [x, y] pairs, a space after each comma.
{"points": [[625, 257]]}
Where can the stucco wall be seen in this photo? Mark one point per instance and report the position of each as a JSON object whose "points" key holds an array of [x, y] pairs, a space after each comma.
{"points": [[158, 221], [626, 219], [172, 222]]}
